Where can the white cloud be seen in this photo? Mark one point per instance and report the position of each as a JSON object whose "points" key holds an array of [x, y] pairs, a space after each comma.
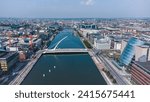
{"points": [[87, 2]]}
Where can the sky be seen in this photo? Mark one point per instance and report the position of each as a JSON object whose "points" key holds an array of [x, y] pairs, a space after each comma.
{"points": [[74, 8]]}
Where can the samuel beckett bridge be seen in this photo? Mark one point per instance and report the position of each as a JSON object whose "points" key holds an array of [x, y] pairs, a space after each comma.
{"points": [[64, 50]]}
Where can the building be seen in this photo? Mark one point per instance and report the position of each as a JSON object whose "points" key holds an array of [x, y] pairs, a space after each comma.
{"points": [[142, 53], [102, 44], [116, 43], [37, 43], [86, 32], [129, 51], [99, 41], [26, 43], [123, 45], [22, 56], [93, 36], [8, 60], [88, 26], [117, 46], [1, 45], [136, 55], [140, 72], [12, 48]]}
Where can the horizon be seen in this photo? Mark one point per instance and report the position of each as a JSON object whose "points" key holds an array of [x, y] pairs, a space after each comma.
{"points": [[75, 18], [75, 9]]}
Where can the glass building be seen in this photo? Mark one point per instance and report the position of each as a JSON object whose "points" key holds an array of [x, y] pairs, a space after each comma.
{"points": [[129, 50]]}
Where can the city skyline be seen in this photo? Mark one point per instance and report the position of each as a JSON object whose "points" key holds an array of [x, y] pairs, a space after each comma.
{"points": [[75, 8]]}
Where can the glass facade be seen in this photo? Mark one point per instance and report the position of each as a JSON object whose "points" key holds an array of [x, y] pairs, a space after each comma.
{"points": [[129, 50]]}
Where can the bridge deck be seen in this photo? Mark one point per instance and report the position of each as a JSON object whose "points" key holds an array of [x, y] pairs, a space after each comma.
{"points": [[65, 51]]}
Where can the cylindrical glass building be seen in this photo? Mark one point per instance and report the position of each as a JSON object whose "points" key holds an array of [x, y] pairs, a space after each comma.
{"points": [[129, 50]]}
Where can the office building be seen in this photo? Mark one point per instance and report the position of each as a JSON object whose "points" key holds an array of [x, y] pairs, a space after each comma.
{"points": [[8, 60], [86, 32], [102, 44], [142, 53], [117, 46], [116, 43], [129, 51], [88, 26], [123, 45]]}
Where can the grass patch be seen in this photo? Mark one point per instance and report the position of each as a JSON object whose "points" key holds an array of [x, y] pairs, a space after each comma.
{"points": [[87, 44]]}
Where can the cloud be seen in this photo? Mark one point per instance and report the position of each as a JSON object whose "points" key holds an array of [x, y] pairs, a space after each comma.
{"points": [[87, 2]]}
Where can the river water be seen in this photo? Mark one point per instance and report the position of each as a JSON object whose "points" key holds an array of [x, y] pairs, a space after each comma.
{"points": [[65, 69]]}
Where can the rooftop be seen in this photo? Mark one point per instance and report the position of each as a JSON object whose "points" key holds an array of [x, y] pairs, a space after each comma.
{"points": [[144, 65], [2, 53], [5, 55]]}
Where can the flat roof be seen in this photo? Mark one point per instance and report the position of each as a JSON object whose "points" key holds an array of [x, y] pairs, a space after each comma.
{"points": [[7, 55], [2, 53], [144, 65], [144, 46]]}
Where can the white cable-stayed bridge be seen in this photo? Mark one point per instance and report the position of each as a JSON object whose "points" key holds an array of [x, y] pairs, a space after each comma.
{"points": [[65, 50]]}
